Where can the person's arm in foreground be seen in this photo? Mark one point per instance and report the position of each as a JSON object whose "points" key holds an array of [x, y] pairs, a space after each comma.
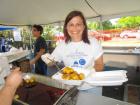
{"points": [[99, 65], [38, 56], [8, 91]]}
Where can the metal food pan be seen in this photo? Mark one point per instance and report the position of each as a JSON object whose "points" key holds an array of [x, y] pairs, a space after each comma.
{"points": [[68, 96]]}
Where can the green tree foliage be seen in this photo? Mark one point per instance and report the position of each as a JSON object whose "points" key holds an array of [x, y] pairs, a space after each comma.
{"points": [[107, 25], [96, 25], [129, 22], [48, 32], [124, 22], [93, 25]]}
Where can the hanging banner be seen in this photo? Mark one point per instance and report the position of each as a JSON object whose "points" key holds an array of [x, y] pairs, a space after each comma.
{"points": [[17, 35]]}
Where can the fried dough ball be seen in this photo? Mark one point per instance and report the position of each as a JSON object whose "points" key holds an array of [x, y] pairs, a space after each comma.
{"points": [[75, 77], [66, 77], [27, 80], [31, 80], [68, 70], [81, 76], [16, 96]]}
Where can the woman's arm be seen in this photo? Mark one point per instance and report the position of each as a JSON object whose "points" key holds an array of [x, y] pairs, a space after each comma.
{"points": [[99, 65]]}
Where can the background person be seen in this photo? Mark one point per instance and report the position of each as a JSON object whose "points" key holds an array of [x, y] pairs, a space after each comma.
{"points": [[39, 49], [3, 44]]}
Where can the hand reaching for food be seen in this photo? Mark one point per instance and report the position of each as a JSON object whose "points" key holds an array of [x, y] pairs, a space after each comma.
{"points": [[14, 79]]}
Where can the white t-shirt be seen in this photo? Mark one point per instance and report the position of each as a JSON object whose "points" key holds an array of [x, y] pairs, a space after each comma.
{"points": [[78, 54]]}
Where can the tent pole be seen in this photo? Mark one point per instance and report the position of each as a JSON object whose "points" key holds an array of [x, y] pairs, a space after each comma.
{"points": [[101, 27], [30, 28], [59, 30]]}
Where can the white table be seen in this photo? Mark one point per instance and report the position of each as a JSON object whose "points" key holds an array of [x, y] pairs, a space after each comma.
{"points": [[13, 56], [91, 99]]}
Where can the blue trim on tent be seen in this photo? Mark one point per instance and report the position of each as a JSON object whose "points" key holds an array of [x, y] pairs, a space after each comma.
{"points": [[2, 28]]}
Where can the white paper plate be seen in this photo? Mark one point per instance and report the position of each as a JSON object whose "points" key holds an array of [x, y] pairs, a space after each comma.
{"points": [[58, 76]]}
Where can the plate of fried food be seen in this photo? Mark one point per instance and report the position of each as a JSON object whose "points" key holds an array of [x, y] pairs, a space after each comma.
{"points": [[29, 80], [71, 76]]}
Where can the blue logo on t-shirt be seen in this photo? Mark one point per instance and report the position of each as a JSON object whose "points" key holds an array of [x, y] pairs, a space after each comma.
{"points": [[82, 61], [75, 62]]}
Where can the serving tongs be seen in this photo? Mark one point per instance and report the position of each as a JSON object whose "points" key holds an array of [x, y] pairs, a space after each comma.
{"points": [[57, 66]]}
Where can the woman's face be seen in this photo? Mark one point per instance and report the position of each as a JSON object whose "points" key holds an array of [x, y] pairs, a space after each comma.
{"points": [[75, 28]]}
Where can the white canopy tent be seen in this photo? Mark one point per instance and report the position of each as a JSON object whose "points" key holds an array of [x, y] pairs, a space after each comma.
{"points": [[28, 12]]}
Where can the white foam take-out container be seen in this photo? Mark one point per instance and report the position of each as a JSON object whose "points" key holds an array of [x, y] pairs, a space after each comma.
{"points": [[107, 78], [58, 76]]}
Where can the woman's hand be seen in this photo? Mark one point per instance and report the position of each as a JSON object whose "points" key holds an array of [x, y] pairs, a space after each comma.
{"points": [[48, 59]]}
